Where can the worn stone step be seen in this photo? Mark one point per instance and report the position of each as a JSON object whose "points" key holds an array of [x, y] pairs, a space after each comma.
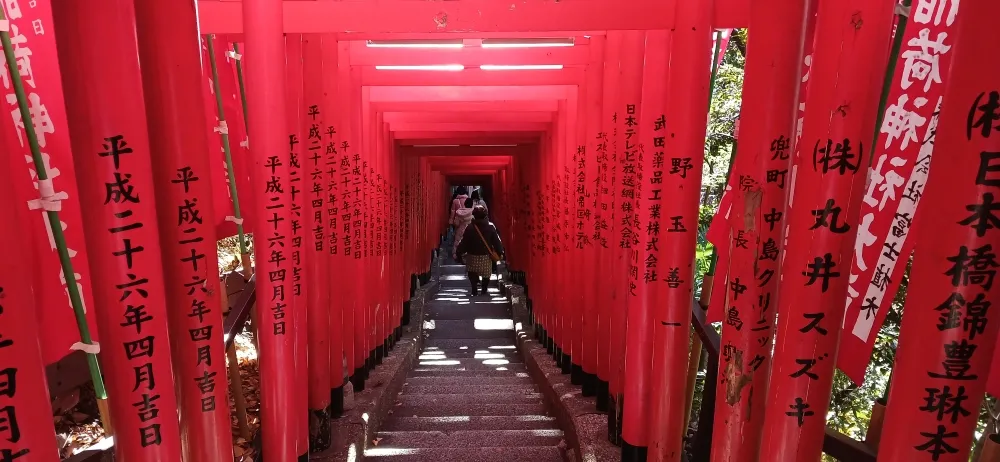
{"points": [[469, 380], [473, 397], [510, 371], [468, 354], [501, 370], [503, 454], [480, 328], [440, 362], [411, 389], [475, 344], [470, 438], [484, 422], [437, 410], [494, 370], [477, 310]]}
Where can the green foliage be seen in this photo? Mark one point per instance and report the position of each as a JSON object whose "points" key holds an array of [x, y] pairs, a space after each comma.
{"points": [[724, 111]]}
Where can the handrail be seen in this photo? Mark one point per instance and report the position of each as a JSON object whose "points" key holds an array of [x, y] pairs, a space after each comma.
{"points": [[237, 318], [835, 444]]}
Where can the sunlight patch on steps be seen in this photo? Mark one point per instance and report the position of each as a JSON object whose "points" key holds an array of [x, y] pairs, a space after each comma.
{"points": [[440, 362], [494, 324]]}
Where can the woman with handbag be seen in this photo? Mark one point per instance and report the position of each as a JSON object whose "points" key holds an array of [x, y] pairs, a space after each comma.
{"points": [[480, 247]]}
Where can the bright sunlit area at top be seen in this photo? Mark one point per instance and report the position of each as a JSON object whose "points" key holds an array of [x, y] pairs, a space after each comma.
{"points": [[458, 44], [484, 43]]}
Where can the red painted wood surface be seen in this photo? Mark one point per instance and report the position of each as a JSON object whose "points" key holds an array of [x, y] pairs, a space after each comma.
{"points": [[301, 287], [636, 190], [39, 71], [687, 97], [528, 18], [755, 232], [590, 134], [114, 162], [606, 158], [947, 340], [332, 136], [168, 45], [272, 216], [25, 411], [314, 188], [835, 148]]}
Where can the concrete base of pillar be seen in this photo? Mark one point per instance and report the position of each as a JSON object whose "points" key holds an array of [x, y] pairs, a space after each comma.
{"points": [[632, 453], [337, 402], [589, 387], [576, 374], [603, 397]]}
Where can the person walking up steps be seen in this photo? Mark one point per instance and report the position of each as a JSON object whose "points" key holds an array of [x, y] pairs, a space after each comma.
{"points": [[477, 201], [480, 247], [457, 203], [463, 217]]}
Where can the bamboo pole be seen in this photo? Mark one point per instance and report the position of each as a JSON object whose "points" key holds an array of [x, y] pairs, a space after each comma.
{"points": [[243, 92], [236, 383], [890, 72], [235, 379], [44, 184], [244, 251], [244, 254]]}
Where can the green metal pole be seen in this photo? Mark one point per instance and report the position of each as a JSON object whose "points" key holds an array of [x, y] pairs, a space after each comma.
{"points": [[897, 44], [53, 216], [243, 91], [225, 142], [236, 386]]}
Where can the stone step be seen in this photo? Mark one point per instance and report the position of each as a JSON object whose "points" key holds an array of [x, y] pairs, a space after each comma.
{"points": [[443, 311], [486, 422], [474, 344], [480, 328], [502, 454], [431, 370], [467, 305], [491, 370], [411, 389], [493, 360], [472, 398], [438, 410], [470, 438], [469, 380], [474, 353], [517, 371]]}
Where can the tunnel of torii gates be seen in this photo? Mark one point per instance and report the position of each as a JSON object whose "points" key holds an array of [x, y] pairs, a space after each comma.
{"points": [[591, 148]]}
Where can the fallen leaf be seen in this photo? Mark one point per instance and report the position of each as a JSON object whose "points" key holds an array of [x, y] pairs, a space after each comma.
{"points": [[376, 441]]}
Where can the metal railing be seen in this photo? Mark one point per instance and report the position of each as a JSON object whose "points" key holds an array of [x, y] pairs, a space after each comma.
{"points": [[835, 444]]}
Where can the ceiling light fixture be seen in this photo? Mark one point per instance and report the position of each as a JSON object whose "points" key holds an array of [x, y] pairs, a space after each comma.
{"points": [[527, 43], [414, 44], [521, 67], [424, 67]]}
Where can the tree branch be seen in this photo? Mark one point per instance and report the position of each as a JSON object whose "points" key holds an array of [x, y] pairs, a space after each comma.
{"points": [[737, 41]]}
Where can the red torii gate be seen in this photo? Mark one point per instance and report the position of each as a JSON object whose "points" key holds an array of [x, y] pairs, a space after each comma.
{"points": [[562, 122], [557, 132]]}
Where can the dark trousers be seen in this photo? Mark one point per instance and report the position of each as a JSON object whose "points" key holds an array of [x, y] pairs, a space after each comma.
{"points": [[474, 280]]}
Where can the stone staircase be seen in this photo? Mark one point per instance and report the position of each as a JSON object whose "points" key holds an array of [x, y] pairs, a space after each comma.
{"points": [[469, 397]]}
